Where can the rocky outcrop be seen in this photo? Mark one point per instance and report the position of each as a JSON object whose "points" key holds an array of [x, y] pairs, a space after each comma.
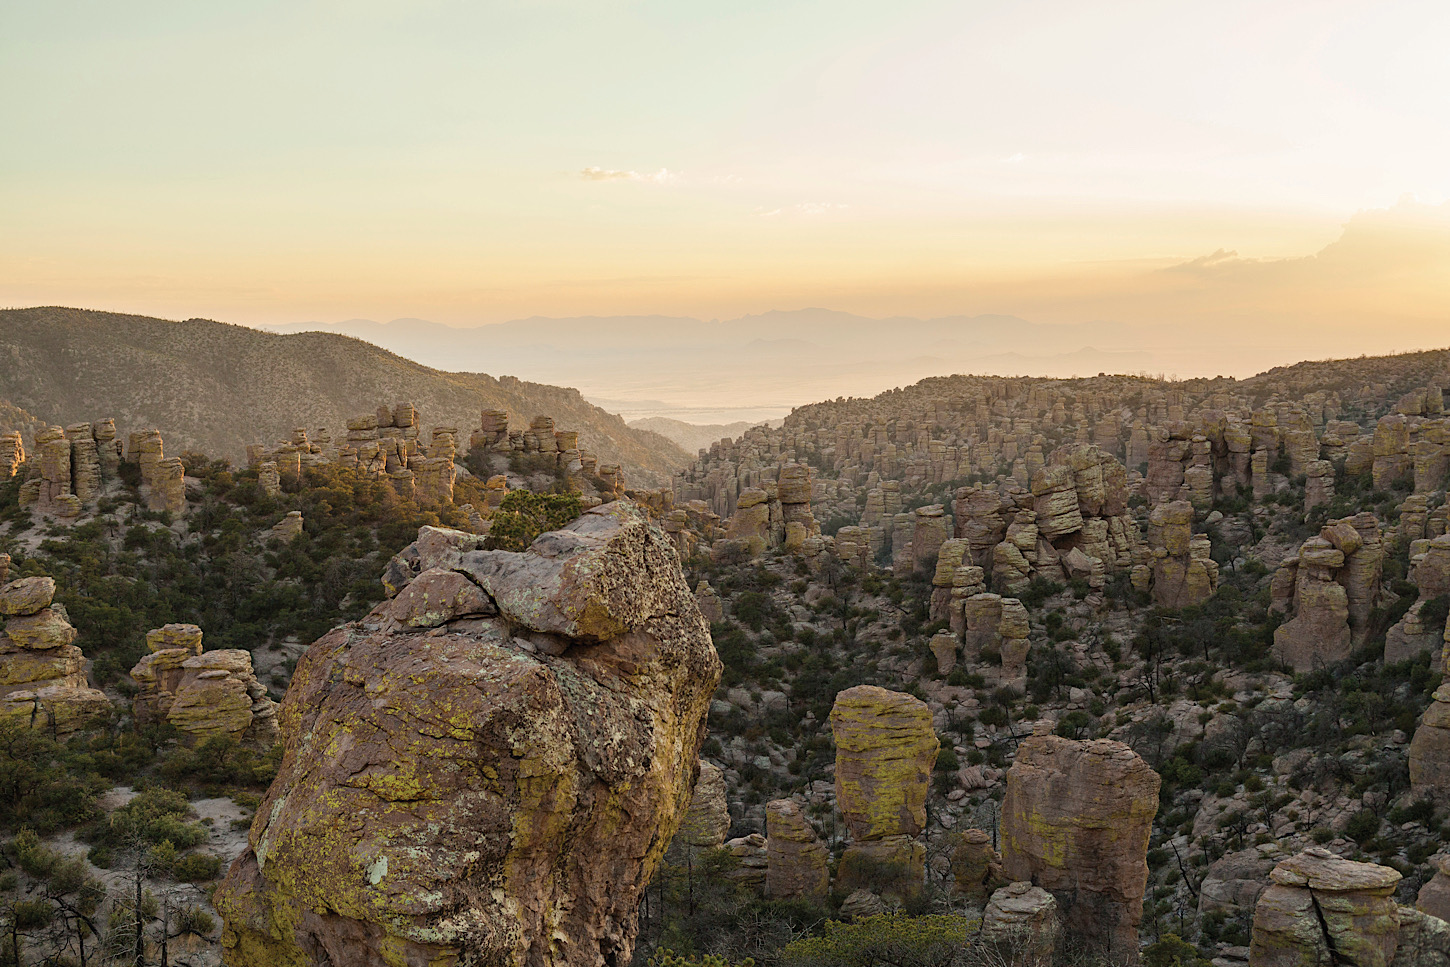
{"points": [[976, 867], [885, 751], [1321, 909], [1233, 883], [707, 820], [203, 694], [1434, 896], [479, 790], [1183, 572], [1413, 635], [43, 681], [1076, 821], [1330, 587], [1024, 922], [795, 858]]}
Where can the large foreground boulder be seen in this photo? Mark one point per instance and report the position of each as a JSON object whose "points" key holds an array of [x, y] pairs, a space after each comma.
{"points": [[497, 788]]}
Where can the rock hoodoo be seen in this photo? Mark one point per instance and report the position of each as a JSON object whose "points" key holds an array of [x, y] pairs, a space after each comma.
{"points": [[43, 680], [707, 821], [885, 750], [494, 783], [1330, 588], [795, 858], [202, 693], [1076, 821]]}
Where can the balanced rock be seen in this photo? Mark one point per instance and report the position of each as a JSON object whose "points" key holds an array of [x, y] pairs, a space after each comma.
{"points": [[26, 596], [494, 790], [1076, 820], [795, 858], [183, 636], [1322, 909]]}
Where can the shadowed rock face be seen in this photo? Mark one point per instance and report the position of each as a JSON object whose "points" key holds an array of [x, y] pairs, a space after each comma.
{"points": [[496, 788], [1076, 821]]}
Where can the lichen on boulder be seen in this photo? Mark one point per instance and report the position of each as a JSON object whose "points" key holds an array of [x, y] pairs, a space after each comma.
{"points": [[498, 789]]}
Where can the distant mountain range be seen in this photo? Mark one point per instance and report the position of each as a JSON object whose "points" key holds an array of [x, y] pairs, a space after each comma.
{"points": [[694, 437], [216, 387], [754, 367]]}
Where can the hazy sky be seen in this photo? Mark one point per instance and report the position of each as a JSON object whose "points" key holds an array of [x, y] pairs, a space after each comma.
{"points": [[474, 161]]}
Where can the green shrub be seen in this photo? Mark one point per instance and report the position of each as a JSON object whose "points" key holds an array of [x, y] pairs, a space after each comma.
{"points": [[523, 516], [196, 868], [884, 939]]}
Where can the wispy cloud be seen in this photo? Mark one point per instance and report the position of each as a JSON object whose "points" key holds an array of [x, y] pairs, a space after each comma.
{"points": [[1015, 159], [804, 208], [662, 177]]}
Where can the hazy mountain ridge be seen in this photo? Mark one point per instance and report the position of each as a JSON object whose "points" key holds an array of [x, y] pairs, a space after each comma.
{"points": [[776, 360], [695, 436], [217, 387]]}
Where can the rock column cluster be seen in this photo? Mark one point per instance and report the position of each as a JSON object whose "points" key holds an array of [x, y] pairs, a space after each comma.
{"points": [[43, 680], [71, 466], [203, 694]]}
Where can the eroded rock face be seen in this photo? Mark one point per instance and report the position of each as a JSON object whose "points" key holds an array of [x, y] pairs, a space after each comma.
{"points": [[1076, 821], [1321, 909], [795, 857], [493, 790], [707, 821]]}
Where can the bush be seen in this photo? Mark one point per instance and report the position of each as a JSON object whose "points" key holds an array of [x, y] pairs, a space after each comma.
{"points": [[196, 868], [1363, 826], [523, 516], [885, 939]]}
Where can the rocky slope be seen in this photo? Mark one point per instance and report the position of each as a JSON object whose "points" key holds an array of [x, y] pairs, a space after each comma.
{"points": [[215, 387]]}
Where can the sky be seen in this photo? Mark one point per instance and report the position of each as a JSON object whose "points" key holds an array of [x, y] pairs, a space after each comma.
{"points": [[1273, 168]]}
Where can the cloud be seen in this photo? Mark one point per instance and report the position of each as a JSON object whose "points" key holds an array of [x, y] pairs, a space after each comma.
{"points": [[804, 208], [662, 177], [1017, 158]]}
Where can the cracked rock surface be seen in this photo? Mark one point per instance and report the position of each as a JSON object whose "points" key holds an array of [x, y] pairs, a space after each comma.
{"points": [[486, 770]]}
